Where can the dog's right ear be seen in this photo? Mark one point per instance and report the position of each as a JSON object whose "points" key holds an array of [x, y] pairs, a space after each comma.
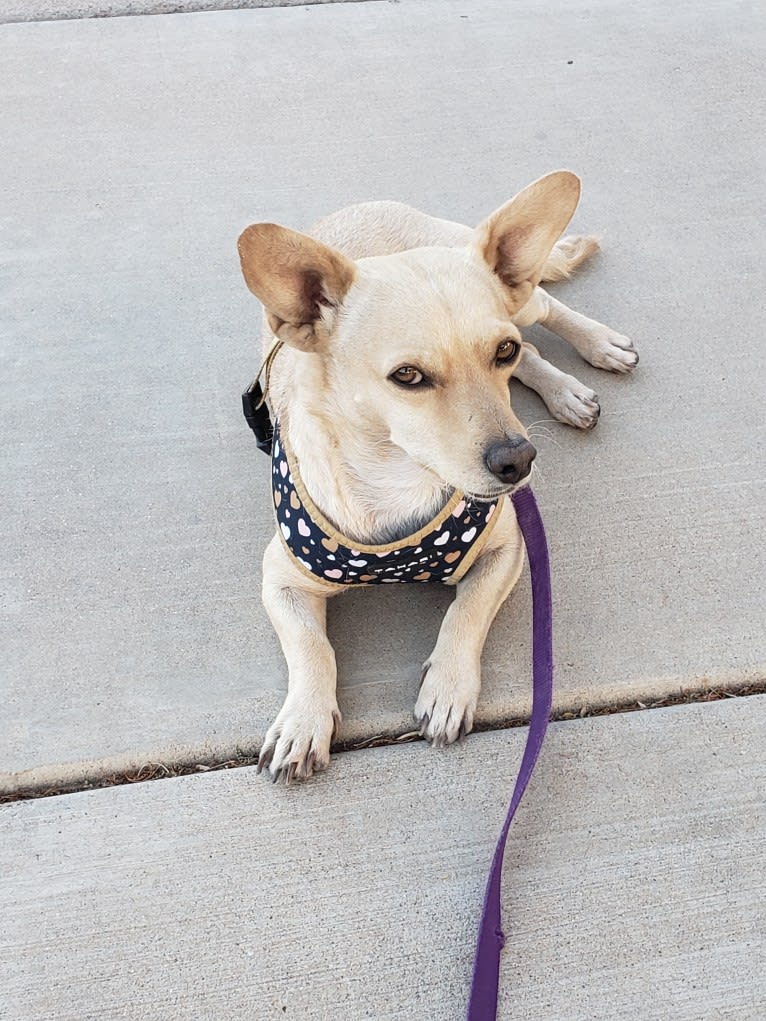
{"points": [[297, 280]]}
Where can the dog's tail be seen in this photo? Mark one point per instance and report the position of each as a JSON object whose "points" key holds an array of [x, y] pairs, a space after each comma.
{"points": [[567, 255]]}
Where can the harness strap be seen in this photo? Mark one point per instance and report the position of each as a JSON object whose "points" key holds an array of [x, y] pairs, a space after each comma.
{"points": [[482, 1004]]}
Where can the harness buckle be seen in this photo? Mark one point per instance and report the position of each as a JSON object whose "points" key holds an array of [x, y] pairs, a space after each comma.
{"points": [[257, 415]]}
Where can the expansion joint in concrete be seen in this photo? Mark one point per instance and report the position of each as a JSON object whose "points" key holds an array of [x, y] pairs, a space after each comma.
{"points": [[100, 776]]}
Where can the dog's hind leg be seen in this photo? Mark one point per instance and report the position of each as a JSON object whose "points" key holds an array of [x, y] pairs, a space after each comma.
{"points": [[451, 681], [567, 254], [298, 742]]}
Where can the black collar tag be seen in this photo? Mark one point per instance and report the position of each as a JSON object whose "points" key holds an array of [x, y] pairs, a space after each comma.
{"points": [[257, 415]]}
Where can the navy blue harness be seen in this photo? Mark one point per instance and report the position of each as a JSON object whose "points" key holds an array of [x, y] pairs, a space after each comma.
{"points": [[442, 550]]}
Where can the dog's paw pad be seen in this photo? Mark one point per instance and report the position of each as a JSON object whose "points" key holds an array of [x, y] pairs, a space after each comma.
{"points": [[297, 744], [613, 352], [446, 704]]}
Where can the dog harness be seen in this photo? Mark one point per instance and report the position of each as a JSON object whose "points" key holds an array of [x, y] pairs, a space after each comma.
{"points": [[442, 550]]}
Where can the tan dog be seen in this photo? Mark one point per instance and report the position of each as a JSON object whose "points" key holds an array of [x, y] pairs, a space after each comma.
{"points": [[399, 335]]}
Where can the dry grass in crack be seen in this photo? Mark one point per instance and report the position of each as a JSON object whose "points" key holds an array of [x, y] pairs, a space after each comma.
{"points": [[163, 771]]}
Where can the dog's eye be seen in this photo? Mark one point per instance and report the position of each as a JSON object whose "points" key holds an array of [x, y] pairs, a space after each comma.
{"points": [[507, 351], [407, 375]]}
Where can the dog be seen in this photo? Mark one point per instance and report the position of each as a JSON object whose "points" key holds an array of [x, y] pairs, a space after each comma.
{"points": [[392, 337]]}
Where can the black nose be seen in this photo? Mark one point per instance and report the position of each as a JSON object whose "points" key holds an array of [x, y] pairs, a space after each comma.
{"points": [[510, 460]]}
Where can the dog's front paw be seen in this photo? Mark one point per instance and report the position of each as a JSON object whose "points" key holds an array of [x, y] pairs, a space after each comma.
{"points": [[611, 351], [447, 700], [574, 404], [297, 744]]}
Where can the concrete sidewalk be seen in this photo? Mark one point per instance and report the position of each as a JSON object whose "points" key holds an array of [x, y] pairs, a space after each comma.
{"points": [[634, 884], [134, 511], [134, 503]]}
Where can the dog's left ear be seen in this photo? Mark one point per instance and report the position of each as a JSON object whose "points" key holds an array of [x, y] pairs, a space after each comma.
{"points": [[297, 279], [518, 237]]}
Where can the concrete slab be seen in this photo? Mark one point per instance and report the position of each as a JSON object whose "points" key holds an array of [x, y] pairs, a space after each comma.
{"points": [[634, 883], [134, 504]]}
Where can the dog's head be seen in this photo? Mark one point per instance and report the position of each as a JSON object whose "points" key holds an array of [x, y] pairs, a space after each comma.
{"points": [[418, 347]]}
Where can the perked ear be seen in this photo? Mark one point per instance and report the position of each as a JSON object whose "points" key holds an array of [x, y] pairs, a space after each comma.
{"points": [[518, 237], [295, 278]]}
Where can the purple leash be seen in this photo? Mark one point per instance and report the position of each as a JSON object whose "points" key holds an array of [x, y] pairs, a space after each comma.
{"points": [[482, 1005]]}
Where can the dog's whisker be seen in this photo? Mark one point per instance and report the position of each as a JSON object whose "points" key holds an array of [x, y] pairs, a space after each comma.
{"points": [[542, 421], [540, 431], [546, 437]]}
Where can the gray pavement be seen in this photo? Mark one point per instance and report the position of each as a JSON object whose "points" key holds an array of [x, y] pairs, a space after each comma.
{"points": [[134, 511], [133, 501], [634, 884]]}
